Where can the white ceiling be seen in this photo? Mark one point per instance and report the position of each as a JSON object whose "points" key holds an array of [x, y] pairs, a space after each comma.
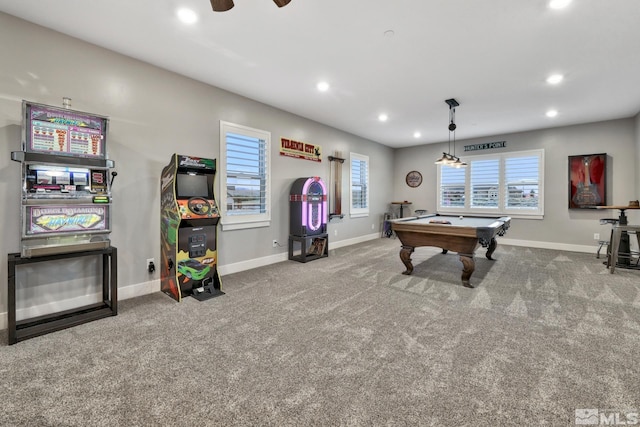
{"points": [[492, 56]]}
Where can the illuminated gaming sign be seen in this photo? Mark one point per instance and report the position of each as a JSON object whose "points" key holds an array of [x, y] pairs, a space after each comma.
{"points": [[47, 219]]}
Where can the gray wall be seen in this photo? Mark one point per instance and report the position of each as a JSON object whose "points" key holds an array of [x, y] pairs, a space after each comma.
{"points": [[154, 113], [561, 227], [637, 176]]}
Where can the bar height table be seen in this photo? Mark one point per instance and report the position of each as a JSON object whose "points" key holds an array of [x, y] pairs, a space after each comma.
{"points": [[402, 205], [624, 260]]}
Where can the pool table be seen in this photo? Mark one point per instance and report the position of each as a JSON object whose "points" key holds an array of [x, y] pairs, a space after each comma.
{"points": [[451, 233]]}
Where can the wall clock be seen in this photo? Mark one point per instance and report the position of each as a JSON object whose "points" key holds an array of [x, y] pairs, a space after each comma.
{"points": [[414, 179]]}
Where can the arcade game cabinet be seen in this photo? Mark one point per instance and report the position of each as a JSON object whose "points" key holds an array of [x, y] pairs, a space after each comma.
{"points": [[188, 229], [308, 220]]}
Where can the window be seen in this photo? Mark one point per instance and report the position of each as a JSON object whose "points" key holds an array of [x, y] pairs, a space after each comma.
{"points": [[359, 185], [499, 184], [452, 187], [244, 177]]}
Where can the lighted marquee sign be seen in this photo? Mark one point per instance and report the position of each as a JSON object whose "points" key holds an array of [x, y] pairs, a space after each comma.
{"points": [[300, 150], [57, 131], [66, 219], [196, 162]]}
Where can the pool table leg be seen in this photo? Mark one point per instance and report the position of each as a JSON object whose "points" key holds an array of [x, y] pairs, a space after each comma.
{"points": [[492, 247], [468, 266], [405, 257]]}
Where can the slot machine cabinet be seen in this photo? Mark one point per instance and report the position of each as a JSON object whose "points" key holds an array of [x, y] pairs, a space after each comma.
{"points": [[188, 229], [66, 193], [65, 210], [308, 238]]}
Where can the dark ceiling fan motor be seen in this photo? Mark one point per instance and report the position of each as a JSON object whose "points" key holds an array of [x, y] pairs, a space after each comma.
{"points": [[224, 5]]}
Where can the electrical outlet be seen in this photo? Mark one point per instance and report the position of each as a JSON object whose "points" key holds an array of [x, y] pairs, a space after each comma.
{"points": [[274, 243], [151, 265], [596, 236], [335, 232], [373, 226]]}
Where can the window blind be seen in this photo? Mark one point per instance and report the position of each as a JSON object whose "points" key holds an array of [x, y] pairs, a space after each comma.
{"points": [[359, 182], [246, 165]]}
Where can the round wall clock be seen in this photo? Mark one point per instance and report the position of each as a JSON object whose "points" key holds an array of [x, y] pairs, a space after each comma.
{"points": [[414, 179]]}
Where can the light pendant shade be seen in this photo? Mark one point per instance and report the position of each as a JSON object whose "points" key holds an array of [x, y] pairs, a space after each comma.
{"points": [[281, 3], [221, 5]]}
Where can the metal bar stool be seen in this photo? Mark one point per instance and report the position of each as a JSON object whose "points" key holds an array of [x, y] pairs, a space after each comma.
{"points": [[386, 224], [616, 236], [603, 242]]}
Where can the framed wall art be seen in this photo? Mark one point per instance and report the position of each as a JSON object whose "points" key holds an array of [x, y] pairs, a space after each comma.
{"points": [[587, 181], [413, 179]]}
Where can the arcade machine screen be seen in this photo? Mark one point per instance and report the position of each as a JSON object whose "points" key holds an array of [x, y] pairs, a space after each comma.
{"points": [[193, 185]]}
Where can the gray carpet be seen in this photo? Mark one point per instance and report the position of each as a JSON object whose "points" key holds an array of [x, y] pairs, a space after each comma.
{"points": [[349, 341]]}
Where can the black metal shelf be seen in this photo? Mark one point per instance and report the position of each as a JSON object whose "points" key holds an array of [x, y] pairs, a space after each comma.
{"points": [[36, 326], [304, 241]]}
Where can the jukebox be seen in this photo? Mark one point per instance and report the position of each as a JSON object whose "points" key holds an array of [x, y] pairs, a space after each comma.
{"points": [[308, 238], [188, 229]]}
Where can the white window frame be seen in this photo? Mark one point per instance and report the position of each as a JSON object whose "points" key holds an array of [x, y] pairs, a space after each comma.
{"points": [[501, 209], [358, 212], [238, 222]]}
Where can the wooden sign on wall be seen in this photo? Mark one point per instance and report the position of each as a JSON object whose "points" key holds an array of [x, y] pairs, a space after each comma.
{"points": [[300, 150], [485, 146]]}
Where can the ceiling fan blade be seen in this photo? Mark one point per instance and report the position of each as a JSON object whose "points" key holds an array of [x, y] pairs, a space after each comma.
{"points": [[221, 5], [281, 3]]}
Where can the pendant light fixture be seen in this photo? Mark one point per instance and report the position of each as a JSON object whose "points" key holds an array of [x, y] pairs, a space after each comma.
{"points": [[448, 158], [224, 5]]}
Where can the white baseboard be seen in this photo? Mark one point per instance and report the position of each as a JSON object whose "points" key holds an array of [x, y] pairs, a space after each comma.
{"points": [[139, 289], [549, 245], [144, 288], [284, 256], [124, 292], [252, 263], [349, 242]]}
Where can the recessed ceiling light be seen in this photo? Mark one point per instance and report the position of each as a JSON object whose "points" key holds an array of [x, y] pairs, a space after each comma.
{"points": [[323, 86], [383, 117], [552, 113], [554, 79], [417, 134], [187, 16], [559, 4]]}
